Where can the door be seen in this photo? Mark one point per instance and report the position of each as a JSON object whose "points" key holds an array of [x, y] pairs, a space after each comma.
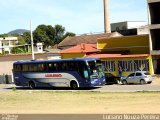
{"points": [[130, 78], [138, 77]]}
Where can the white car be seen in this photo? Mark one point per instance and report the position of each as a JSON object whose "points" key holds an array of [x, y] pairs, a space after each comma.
{"points": [[138, 77]]}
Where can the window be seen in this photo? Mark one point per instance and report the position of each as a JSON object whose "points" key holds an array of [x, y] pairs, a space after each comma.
{"points": [[109, 66], [83, 70], [17, 68], [138, 74], [25, 68], [41, 67], [52, 66], [134, 65], [131, 75], [142, 65]]}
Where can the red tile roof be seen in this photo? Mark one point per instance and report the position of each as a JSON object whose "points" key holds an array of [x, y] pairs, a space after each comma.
{"points": [[117, 56], [82, 48]]}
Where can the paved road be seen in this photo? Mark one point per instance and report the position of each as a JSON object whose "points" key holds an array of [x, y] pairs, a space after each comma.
{"points": [[128, 88], [106, 88]]}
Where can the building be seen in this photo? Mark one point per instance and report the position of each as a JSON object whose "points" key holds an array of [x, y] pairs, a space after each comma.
{"points": [[136, 44], [131, 52], [129, 63], [130, 28], [154, 27], [80, 50], [7, 43], [86, 39]]}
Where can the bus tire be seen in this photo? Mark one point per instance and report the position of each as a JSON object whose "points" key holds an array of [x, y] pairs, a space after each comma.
{"points": [[32, 85], [74, 85]]}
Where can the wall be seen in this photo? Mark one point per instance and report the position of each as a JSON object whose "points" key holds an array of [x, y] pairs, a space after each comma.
{"points": [[130, 44], [72, 55], [113, 62], [6, 62]]}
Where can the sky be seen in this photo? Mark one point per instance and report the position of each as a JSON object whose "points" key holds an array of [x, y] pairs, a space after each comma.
{"points": [[77, 16]]}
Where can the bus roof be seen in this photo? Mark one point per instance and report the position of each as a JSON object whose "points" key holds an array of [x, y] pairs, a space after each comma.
{"points": [[58, 60]]}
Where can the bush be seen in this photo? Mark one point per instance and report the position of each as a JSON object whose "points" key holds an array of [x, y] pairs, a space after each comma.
{"points": [[18, 50]]}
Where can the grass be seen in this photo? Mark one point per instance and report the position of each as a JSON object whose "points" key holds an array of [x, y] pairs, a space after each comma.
{"points": [[38, 102]]}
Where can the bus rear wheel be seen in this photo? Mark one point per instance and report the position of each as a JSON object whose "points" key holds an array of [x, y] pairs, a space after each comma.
{"points": [[32, 85], [74, 85]]}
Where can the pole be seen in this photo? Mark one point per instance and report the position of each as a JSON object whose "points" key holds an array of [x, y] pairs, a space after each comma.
{"points": [[32, 44], [107, 27]]}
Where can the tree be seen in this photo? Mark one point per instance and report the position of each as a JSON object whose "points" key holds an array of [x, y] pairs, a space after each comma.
{"points": [[43, 34], [48, 35], [59, 33], [68, 34], [27, 37], [3, 35], [21, 40]]}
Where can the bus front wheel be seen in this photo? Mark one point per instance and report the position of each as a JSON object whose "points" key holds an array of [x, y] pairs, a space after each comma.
{"points": [[74, 85], [32, 85]]}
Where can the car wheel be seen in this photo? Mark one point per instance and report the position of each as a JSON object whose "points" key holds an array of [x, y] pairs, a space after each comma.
{"points": [[124, 82], [142, 82]]}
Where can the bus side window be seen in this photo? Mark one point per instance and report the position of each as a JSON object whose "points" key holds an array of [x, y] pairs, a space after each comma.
{"points": [[25, 68], [83, 70], [86, 75], [41, 67], [49, 67], [52, 66], [17, 68]]}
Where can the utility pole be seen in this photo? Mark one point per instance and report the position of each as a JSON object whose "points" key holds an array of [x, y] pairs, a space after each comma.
{"points": [[32, 43], [107, 27]]}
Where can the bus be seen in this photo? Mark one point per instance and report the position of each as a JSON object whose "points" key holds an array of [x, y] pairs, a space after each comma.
{"points": [[74, 73]]}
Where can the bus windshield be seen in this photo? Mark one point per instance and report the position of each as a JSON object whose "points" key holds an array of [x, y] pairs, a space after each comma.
{"points": [[96, 69]]}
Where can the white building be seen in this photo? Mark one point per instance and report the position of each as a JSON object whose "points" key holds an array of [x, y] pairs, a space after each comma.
{"points": [[7, 43], [130, 27]]}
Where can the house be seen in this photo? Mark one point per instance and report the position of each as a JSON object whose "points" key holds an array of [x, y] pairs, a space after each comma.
{"points": [[131, 52], [80, 50], [86, 39], [7, 43]]}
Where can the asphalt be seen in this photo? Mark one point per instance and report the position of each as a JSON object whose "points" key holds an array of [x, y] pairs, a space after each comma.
{"points": [[106, 88]]}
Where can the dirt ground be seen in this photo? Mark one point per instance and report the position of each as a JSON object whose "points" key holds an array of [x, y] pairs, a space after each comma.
{"points": [[156, 80], [75, 102], [38, 102]]}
